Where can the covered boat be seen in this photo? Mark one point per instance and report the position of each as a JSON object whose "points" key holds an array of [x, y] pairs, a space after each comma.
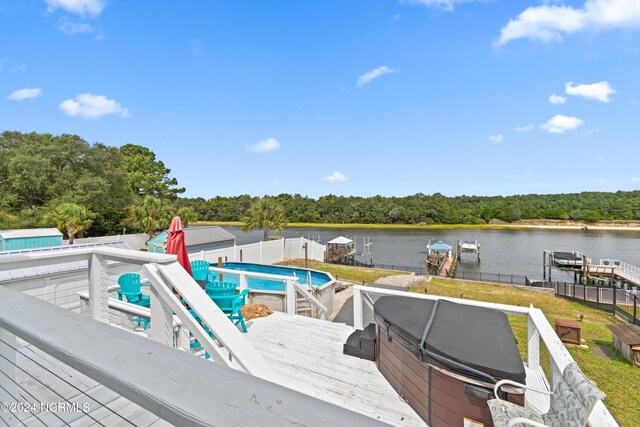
{"points": [[444, 358]]}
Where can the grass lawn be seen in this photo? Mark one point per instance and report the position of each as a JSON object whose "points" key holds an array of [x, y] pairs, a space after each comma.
{"points": [[616, 377], [345, 272]]}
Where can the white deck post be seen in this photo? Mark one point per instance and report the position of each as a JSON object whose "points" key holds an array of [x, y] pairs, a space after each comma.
{"points": [[291, 298], [282, 247], [8, 386], [533, 345], [161, 319], [183, 340], [235, 252], [98, 290], [244, 283], [260, 246], [357, 308]]}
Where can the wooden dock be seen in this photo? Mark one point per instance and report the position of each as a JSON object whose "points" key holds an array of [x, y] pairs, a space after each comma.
{"points": [[614, 269]]}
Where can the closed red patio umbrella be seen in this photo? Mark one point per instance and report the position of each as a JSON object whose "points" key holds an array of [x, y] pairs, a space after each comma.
{"points": [[176, 244]]}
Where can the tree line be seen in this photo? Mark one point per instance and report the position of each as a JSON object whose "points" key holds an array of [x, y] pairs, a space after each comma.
{"points": [[92, 190], [84, 189], [431, 209]]}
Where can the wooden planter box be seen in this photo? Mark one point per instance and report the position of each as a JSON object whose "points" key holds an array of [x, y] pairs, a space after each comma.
{"points": [[568, 331]]}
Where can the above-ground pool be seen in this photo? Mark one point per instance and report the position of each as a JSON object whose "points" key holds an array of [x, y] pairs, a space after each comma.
{"points": [[317, 278]]}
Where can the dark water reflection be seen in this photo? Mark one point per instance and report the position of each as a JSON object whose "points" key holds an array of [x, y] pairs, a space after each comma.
{"points": [[502, 251]]}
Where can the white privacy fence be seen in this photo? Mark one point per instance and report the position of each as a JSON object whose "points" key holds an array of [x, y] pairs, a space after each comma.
{"points": [[268, 252]]}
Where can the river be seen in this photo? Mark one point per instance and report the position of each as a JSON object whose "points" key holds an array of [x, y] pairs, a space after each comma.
{"points": [[501, 251]]}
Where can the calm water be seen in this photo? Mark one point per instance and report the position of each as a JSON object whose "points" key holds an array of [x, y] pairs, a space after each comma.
{"points": [[502, 251]]}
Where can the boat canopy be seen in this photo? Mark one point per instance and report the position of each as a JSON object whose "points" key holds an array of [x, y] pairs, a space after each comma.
{"points": [[340, 241], [439, 246]]}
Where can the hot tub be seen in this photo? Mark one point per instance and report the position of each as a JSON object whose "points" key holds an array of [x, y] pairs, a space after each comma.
{"points": [[443, 358]]}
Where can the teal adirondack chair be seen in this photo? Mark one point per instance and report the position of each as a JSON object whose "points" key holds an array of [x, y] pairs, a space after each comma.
{"points": [[215, 289], [231, 305], [130, 288], [200, 269]]}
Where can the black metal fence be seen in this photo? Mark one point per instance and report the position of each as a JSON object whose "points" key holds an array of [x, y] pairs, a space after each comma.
{"points": [[510, 279], [405, 268], [513, 279], [616, 301]]}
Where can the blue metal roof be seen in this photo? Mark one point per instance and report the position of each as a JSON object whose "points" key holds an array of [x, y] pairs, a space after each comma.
{"points": [[439, 246]]}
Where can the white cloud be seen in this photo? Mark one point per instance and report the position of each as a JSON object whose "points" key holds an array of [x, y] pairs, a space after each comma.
{"points": [[91, 106], [561, 124], [635, 179], [326, 118], [525, 128], [557, 99], [335, 177], [26, 93], [373, 74], [71, 28], [269, 144], [446, 5], [598, 91], [439, 4], [496, 139], [549, 23], [79, 7]]}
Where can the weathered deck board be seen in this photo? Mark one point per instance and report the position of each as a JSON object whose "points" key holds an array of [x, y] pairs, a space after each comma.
{"points": [[63, 384], [181, 388], [308, 354]]}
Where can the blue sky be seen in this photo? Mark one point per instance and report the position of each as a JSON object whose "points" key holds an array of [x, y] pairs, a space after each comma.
{"points": [[354, 97]]}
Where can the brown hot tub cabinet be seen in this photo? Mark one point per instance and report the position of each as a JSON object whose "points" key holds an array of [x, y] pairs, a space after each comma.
{"points": [[444, 358]]}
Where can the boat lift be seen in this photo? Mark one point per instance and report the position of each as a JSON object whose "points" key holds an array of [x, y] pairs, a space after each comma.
{"points": [[470, 246]]}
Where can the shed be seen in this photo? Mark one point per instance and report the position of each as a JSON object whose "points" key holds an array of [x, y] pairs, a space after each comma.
{"points": [[196, 238], [29, 238]]}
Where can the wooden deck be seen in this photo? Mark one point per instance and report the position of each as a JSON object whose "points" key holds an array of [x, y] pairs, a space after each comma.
{"points": [[41, 378], [308, 354]]}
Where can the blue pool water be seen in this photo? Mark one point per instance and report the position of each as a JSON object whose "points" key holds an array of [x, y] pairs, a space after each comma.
{"points": [[317, 278]]}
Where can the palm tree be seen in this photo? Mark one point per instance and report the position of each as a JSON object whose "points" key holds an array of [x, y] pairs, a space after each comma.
{"points": [[149, 214], [266, 214], [187, 215], [70, 218]]}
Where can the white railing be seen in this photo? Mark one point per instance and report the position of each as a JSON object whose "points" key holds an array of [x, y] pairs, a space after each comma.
{"points": [[291, 285], [104, 363], [164, 273], [622, 269], [538, 328]]}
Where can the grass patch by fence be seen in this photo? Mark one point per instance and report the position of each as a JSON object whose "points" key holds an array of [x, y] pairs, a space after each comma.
{"points": [[616, 377]]}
